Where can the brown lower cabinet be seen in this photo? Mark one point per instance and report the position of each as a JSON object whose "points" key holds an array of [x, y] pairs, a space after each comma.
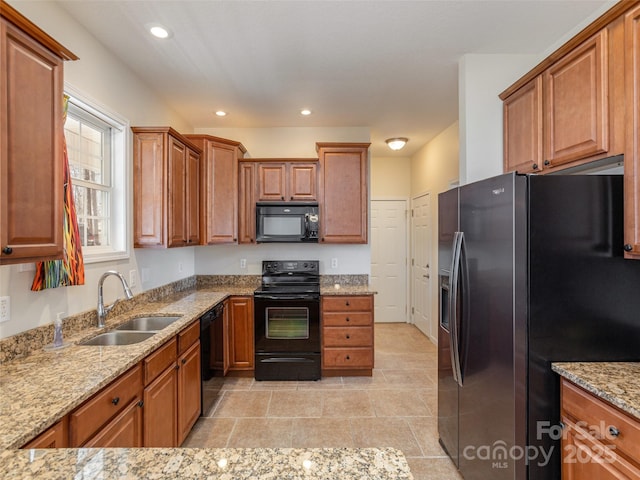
{"points": [[56, 436], [154, 404], [347, 335], [598, 441], [241, 334]]}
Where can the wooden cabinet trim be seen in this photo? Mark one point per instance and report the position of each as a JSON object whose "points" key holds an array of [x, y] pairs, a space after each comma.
{"points": [[188, 336], [56, 436], [632, 157], [20, 21], [189, 389]]}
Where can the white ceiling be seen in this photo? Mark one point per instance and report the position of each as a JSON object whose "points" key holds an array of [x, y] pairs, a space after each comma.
{"points": [[390, 65]]}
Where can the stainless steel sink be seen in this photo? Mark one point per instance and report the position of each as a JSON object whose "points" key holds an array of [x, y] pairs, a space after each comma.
{"points": [[151, 323], [118, 338]]}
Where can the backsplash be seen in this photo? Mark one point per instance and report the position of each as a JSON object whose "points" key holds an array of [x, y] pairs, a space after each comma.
{"points": [[344, 280]]}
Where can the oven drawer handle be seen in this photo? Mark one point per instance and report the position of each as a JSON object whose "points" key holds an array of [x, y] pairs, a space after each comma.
{"points": [[286, 360], [288, 297]]}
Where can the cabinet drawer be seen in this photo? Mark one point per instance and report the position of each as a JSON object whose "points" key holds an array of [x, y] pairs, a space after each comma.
{"points": [[599, 418], [347, 336], [187, 336], [347, 357], [346, 319], [159, 360], [89, 417], [54, 437], [347, 304]]}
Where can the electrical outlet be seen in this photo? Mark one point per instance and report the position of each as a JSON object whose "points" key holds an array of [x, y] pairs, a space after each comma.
{"points": [[5, 309], [243, 263], [334, 263], [133, 278], [180, 267]]}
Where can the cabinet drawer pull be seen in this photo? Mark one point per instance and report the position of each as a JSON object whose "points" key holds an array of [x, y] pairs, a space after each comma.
{"points": [[347, 319], [347, 303], [348, 357], [627, 247], [535, 166], [116, 400], [613, 431], [348, 337], [177, 367], [7, 250]]}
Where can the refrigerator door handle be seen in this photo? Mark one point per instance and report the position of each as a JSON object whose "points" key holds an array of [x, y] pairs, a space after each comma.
{"points": [[454, 337]]}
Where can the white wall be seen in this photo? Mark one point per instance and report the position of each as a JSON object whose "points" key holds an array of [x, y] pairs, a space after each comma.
{"points": [[481, 79], [101, 77], [390, 177]]}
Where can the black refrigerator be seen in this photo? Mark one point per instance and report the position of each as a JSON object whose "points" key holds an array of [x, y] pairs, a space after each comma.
{"points": [[531, 271]]}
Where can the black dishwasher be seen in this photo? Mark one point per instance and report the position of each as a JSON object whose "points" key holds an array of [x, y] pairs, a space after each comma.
{"points": [[206, 345]]}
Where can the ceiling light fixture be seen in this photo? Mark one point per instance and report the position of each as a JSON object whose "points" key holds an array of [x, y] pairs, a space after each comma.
{"points": [[396, 143], [158, 30], [221, 113], [305, 112]]}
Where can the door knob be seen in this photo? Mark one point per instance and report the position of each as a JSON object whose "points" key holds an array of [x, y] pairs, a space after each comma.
{"points": [[426, 276]]}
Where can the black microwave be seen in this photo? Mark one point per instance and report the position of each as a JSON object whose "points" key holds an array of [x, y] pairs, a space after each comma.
{"points": [[286, 222]]}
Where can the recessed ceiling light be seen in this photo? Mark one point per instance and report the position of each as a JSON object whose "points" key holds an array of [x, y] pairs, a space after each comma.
{"points": [[221, 113], [305, 112], [158, 30]]}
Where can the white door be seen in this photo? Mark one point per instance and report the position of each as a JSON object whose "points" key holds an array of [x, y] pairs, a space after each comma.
{"points": [[421, 264], [389, 259]]}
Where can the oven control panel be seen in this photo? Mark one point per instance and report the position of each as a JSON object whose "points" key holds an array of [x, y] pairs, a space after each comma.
{"points": [[271, 267]]}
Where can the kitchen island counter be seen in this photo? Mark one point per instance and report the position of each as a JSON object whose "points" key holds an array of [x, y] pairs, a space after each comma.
{"points": [[615, 382], [196, 463]]}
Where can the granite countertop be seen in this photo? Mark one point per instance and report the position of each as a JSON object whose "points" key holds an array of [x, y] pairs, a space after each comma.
{"points": [[193, 463], [346, 290], [616, 382], [32, 395]]}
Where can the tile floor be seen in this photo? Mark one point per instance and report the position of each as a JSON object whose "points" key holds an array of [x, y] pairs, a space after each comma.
{"points": [[396, 407]]}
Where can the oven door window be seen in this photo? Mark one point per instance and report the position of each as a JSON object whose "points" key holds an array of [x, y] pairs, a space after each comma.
{"points": [[287, 323]]}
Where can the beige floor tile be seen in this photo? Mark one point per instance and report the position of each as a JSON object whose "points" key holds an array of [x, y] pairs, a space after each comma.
{"points": [[295, 403], [425, 430], [377, 380], [326, 383], [237, 383], [385, 432], [346, 404], [433, 469], [398, 403], [210, 433], [430, 397], [243, 404], [409, 378], [274, 385], [321, 432], [261, 433]]}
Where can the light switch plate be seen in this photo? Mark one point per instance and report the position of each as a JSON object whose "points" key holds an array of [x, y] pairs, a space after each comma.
{"points": [[243, 263], [334, 263]]}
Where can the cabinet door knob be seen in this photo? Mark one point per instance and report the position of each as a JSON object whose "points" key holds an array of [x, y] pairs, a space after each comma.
{"points": [[141, 403], [292, 198], [347, 304], [184, 360], [348, 337], [282, 198], [613, 431], [535, 166], [177, 367], [347, 319], [627, 247], [116, 400], [7, 250], [547, 162], [348, 357]]}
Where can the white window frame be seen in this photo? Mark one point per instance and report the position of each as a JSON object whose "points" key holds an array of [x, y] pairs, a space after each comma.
{"points": [[119, 213]]}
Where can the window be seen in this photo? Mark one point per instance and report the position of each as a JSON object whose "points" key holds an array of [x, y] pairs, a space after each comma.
{"points": [[96, 148]]}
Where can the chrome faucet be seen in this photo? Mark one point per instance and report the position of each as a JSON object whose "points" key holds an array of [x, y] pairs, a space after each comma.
{"points": [[102, 310]]}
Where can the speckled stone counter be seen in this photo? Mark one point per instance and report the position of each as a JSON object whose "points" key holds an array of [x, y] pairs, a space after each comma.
{"points": [[347, 290], [616, 382], [191, 463]]}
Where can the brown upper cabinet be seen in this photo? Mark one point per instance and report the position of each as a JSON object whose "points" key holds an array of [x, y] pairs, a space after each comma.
{"points": [[572, 111], [219, 188], [580, 104], [166, 193], [287, 180], [632, 153], [247, 202], [31, 140], [343, 184]]}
